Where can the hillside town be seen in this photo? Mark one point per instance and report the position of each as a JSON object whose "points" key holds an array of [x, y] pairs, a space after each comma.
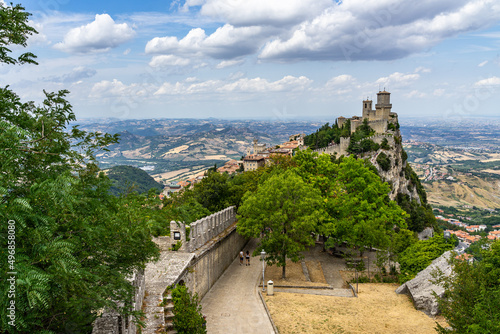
{"points": [[465, 236]]}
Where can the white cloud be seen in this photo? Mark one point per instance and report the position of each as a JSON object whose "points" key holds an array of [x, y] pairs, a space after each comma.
{"points": [[422, 69], [482, 63], [229, 63], [438, 92], [397, 79], [77, 74], [295, 30], [288, 83], [493, 81], [226, 42], [115, 88], [341, 80], [100, 35], [263, 12], [415, 93], [243, 85], [381, 30], [168, 60]]}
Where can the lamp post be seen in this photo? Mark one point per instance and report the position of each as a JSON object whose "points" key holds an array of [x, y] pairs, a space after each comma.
{"points": [[263, 257]]}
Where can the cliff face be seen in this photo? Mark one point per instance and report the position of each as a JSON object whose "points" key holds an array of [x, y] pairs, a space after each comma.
{"points": [[392, 166]]}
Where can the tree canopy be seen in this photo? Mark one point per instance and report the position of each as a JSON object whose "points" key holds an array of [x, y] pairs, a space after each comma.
{"points": [[75, 245], [471, 302], [284, 211]]}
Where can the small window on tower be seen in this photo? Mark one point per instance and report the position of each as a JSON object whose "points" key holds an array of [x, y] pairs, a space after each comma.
{"points": [[365, 105]]}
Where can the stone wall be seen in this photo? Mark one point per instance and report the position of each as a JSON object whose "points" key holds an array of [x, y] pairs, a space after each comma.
{"points": [[201, 231], [211, 261], [207, 250], [339, 149], [379, 126], [112, 322]]}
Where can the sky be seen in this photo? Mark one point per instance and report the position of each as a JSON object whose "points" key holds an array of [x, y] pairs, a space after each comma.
{"points": [[263, 59]]}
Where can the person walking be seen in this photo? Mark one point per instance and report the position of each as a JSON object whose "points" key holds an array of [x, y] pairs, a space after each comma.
{"points": [[241, 257], [248, 258]]}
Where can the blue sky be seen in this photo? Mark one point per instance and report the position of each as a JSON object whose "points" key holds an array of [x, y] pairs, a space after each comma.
{"points": [[278, 59]]}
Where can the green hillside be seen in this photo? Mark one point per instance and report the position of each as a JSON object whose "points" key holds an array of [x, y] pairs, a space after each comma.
{"points": [[124, 177]]}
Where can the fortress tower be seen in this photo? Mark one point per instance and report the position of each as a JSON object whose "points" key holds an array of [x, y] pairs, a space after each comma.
{"points": [[383, 106], [367, 109]]}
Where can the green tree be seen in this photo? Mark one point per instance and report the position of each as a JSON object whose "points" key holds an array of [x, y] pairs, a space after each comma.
{"points": [[471, 302], [187, 312], [418, 256], [284, 211], [75, 244], [213, 191], [15, 30], [359, 202]]}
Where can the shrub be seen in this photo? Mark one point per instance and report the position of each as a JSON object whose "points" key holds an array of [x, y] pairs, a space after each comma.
{"points": [[419, 255], [187, 312], [384, 161], [385, 144]]}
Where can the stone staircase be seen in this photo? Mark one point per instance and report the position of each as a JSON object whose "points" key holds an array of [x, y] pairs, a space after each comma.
{"points": [[169, 314]]}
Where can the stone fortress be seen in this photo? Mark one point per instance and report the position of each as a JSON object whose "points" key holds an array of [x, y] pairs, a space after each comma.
{"points": [[379, 120]]}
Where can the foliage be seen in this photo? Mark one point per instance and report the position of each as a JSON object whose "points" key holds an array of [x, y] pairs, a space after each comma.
{"points": [[359, 139], [471, 303], [187, 312], [124, 177], [420, 216], [213, 191], [15, 30], [284, 211], [324, 136], [419, 255], [384, 161], [176, 246], [358, 201], [385, 144], [75, 243]]}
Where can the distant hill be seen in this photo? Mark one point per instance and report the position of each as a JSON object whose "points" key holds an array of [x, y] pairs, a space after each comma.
{"points": [[125, 176]]}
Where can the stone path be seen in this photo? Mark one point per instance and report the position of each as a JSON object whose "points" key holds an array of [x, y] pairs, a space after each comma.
{"points": [[233, 305]]}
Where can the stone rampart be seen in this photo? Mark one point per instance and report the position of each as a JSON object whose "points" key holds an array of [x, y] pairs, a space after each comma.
{"points": [[112, 322], [209, 246], [339, 149], [212, 260], [205, 229]]}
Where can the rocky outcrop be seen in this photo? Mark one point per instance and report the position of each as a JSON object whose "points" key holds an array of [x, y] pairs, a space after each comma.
{"points": [[421, 288], [395, 175]]}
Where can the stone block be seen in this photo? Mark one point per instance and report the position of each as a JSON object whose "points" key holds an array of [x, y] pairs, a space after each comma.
{"points": [[421, 288]]}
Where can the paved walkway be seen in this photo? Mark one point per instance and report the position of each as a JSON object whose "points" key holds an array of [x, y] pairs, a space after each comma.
{"points": [[233, 306]]}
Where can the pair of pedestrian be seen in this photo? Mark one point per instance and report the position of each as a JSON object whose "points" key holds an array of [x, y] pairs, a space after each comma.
{"points": [[247, 256]]}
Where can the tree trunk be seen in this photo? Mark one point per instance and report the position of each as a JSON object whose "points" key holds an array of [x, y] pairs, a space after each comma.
{"points": [[283, 275], [368, 258]]}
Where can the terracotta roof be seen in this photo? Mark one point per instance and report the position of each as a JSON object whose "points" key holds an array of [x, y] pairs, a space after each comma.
{"points": [[253, 157]]}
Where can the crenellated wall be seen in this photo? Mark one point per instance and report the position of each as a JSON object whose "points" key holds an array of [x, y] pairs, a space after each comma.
{"points": [[201, 231], [209, 246]]}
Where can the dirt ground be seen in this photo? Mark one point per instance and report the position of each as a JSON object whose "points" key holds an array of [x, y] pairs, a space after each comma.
{"points": [[295, 275], [378, 309]]}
